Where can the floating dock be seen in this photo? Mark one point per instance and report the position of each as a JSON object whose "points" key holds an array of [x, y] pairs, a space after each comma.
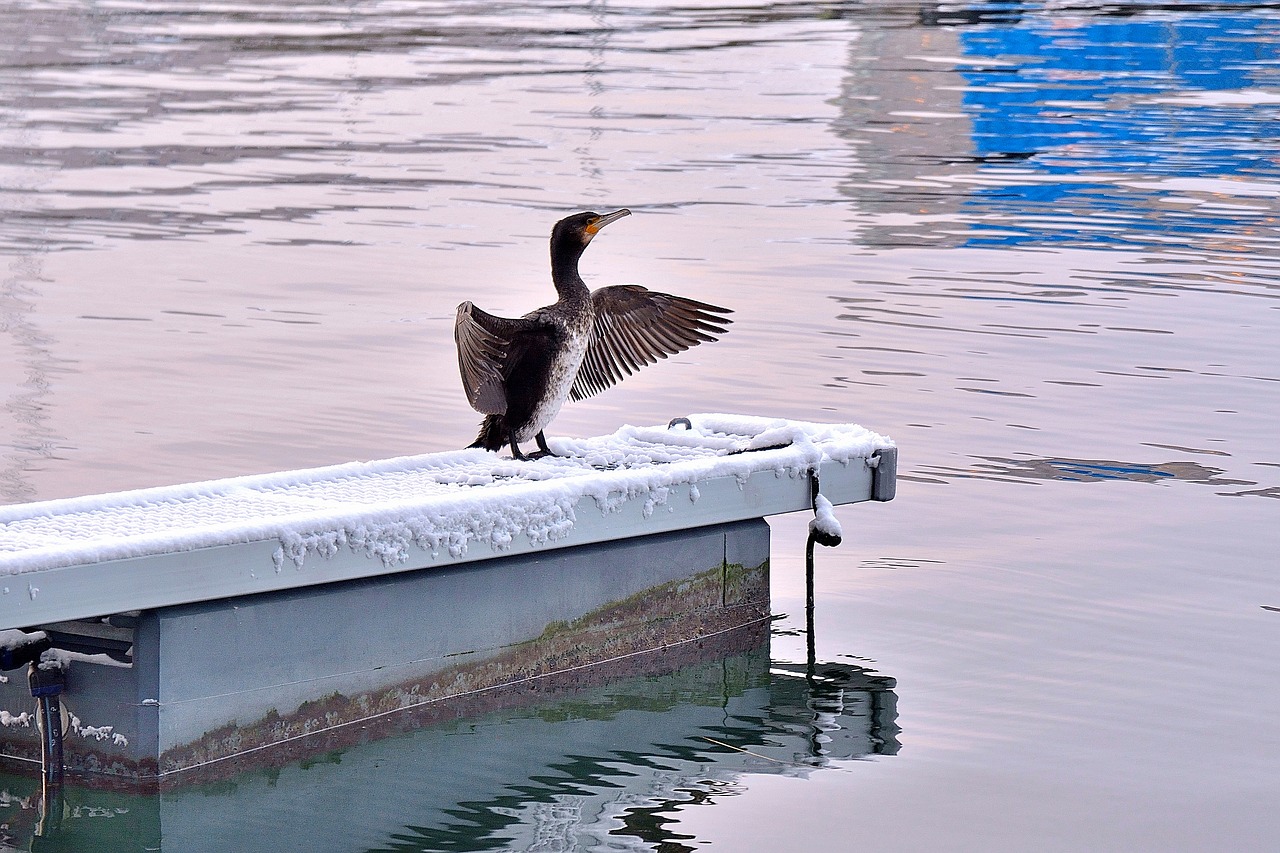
{"points": [[191, 631]]}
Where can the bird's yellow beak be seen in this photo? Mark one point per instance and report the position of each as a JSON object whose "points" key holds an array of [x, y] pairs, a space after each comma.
{"points": [[604, 219]]}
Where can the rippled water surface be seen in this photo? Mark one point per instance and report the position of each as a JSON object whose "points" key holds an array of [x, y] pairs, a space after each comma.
{"points": [[1037, 244]]}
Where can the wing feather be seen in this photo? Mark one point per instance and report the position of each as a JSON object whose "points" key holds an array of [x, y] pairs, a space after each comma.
{"points": [[635, 327], [484, 341]]}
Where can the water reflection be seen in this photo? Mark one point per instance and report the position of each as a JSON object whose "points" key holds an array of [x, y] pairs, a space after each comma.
{"points": [[212, 121], [1091, 471], [1124, 129], [604, 767], [32, 351]]}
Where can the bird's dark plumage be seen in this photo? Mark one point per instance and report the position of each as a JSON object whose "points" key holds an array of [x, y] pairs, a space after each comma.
{"points": [[519, 372]]}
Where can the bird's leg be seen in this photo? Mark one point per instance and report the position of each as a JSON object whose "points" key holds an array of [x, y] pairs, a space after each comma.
{"points": [[542, 443], [543, 450], [515, 450]]}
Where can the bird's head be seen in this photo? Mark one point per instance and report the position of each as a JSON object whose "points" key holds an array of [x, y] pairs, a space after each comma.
{"points": [[576, 231]]}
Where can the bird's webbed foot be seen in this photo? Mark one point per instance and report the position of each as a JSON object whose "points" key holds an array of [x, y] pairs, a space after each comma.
{"points": [[542, 450]]}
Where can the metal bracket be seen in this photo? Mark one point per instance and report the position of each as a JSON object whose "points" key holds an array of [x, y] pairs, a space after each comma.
{"points": [[884, 476]]}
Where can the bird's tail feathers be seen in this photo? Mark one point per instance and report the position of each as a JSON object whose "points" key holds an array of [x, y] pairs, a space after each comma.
{"points": [[493, 433]]}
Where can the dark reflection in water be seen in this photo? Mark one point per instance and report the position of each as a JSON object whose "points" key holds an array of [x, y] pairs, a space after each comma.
{"points": [[609, 766], [1091, 471]]}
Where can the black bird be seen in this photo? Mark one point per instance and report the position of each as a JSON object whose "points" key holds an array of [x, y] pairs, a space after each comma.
{"points": [[518, 373]]}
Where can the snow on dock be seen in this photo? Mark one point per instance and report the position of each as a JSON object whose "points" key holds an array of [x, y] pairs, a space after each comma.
{"points": [[88, 556]]}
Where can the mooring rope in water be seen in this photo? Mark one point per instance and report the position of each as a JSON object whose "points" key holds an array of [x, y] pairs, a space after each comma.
{"points": [[752, 754]]}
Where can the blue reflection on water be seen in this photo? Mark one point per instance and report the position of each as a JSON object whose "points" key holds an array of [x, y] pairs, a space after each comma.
{"points": [[1085, 106]]}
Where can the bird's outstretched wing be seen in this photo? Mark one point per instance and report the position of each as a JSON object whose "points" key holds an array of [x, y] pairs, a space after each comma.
{"points": [[484, 342], [634, 327]]}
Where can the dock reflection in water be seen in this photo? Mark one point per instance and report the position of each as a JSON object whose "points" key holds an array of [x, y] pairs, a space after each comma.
{"points": [[606, 766]]}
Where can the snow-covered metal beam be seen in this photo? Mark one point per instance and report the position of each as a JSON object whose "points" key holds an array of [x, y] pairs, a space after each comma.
{"points": [[98, 555]]}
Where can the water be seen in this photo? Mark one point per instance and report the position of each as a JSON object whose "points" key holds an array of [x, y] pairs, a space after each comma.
{"points": [[1037, 245]]}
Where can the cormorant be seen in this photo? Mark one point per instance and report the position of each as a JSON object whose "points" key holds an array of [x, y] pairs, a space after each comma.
{"points": [[518, 373]]}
